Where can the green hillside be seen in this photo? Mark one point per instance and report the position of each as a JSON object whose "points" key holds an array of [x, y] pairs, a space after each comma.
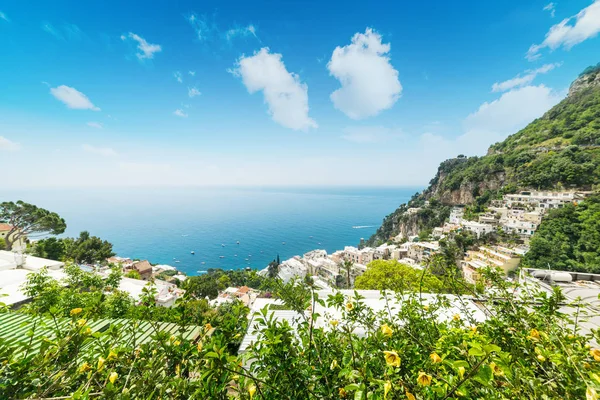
{"points": [[560, 150]]}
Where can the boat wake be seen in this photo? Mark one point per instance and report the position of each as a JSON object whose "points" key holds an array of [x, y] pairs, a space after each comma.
{"points": [[363, 226]]}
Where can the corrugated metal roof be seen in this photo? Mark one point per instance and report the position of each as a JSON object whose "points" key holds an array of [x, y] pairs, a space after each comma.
{"points": [[22, 329]]}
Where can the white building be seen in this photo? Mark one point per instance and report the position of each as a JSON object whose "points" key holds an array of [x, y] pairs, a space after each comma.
{"points": [[419, 251], [456, 215], [14, 269], [477, 228], [488, 256], [167, 293], [543, 200]]}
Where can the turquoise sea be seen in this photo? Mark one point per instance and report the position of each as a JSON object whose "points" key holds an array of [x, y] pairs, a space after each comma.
{"points": [[164, 225]]}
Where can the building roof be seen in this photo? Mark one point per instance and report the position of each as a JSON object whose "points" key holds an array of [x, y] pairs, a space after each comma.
{"points": [[5, 227], [142, 266]]}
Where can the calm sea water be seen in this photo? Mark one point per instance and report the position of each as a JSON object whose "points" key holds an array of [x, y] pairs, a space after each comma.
{"points": [[165, 225]]}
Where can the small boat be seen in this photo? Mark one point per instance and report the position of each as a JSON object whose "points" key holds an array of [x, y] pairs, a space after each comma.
{"points": [[249, 255], [221, 256], [310, 237], [185, 235], [222, 244], [246, 259], [235, 255], [319, 243], [238, 242], [203, 262], [177, 261], [192, 252], [283, 243]]}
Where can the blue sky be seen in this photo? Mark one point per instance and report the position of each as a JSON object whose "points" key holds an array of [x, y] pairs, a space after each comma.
{"points": [[107, 93]]}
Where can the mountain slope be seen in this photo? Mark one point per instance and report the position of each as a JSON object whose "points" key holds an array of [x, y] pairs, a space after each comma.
{"points": [[560, 150]]}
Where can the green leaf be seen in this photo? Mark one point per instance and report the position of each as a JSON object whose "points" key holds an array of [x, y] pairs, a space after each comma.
{"points": [[476, 352], [491, 348]]}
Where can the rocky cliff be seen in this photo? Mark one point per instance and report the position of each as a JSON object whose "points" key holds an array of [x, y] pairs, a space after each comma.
{"points": [[559, 150]]}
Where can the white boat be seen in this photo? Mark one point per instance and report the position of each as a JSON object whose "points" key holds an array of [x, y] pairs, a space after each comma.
{"points": [[246, 259], [283, 243], [203, 262], [319, 243], [192, 252], [238, 242], [222, 244], [177, 261], [221, 256], [235, 255]]}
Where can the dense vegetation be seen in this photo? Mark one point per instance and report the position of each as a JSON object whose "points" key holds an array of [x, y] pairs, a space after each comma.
{"points": [[412, 349], [85, 249], [568, 239]]}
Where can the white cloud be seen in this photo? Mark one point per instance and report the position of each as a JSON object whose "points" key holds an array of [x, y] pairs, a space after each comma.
{"points": [[370, 134], [101, 151], [204, 28], [147, 50], [551, 7], [249, 30], [192, 92], [180, 113], [96, 125], [523, 80], [192, 73], [4, 17], [285, 94], [177, 75], [566, 35], [73, 98], [8, 145], [495, 120], [369, 81]]}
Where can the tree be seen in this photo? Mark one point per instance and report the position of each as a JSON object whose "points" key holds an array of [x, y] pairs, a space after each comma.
{"points": [[2, 244], [133, 274], [347, 266], [202, 286], [27, 219], [392, 275], [273, 269], [51, 248], [87, 249]]}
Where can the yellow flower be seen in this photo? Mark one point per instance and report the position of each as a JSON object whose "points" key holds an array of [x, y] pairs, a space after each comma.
{"points": [[461, 372], [208, 327], [426, 307], [87, 331], [595, 353], [101, 361], [349, 306], [410, 396], [177, 343], [590, 394], [387, 330], [342, 392], [112, 355], [496, 369], [435, 358], [387, 386], [199, 347], [334, 365], [76, 311], [541, 358], [81, 322], [113, 377], [424, 379], [456, 317], [473, 329], [534, 334], [334, 322], [392, 358], [172, 338], [251, 390], [84, 367], [177, 369]]}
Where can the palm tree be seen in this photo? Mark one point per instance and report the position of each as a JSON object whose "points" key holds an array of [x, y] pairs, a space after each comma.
{"points": [[347, 266]]}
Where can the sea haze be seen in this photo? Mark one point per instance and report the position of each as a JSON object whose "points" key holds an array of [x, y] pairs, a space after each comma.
{"points": [[165, 225]]}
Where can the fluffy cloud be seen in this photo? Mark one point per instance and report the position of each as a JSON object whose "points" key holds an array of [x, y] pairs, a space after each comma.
{"points": [[193, 92], [203, 27], [101, 151], [523, 80], [495, 120], [567, 34], [146, 49], [8, 145], [285, 95], [369, 81], [249, 30], [96, 125], [180, 113], [177, 75], [551, 7], [73, 98]]}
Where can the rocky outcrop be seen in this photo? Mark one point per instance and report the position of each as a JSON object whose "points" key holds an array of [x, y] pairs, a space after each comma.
{"points": [[466, 192], [586, 80]]}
